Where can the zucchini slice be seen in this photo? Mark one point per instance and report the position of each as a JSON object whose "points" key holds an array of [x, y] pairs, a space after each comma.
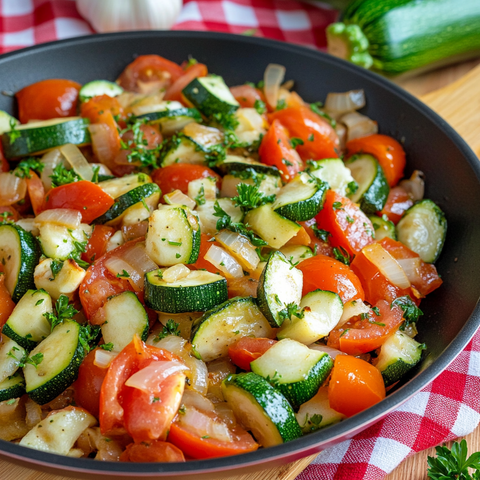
{"points": [[173, 236], [27, 324], [183, 149], [12, 387], [372, 191], [226, 323], [116, 187], [383, 227], [210, 95], [296, 253], [144, 196], [266, 184], [301, 199], [199, 291], [294, 369], [397, 356], [19, 254], [261, 409], [6, 122], [37, 137], [206, 214], [99, 87], [335, 173], [172, 118], [59, 242], [125, 317], [62, 355], [234, 164], [423, 229], [11, 355], [279, 285]]}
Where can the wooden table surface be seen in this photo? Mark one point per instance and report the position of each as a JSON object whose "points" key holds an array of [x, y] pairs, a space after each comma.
{"points": [[415, 467]]}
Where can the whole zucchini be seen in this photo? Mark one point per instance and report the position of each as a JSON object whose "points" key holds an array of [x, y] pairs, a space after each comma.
{"points": [[395, 36]]}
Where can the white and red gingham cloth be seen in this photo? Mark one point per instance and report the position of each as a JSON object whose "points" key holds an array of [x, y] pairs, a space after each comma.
{"points": [[447, 408]]}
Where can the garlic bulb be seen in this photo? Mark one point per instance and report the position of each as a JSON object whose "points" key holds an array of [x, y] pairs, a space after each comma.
{"points": [[120, 15]]}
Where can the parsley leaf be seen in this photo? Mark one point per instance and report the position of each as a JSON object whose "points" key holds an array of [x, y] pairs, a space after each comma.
{"points": [[342, 255], [124, 274], [62, 176], [5, 217], [294, 142], [321, 234], [171, 328], [56, 266], [411, 312], [13, 134], [281, 104], [260, 107], [292, 309], [23, 168], [34, 360], [89, 335], [315, 107], [61, 311], [249, 197], [200, 198], [107, 346]]}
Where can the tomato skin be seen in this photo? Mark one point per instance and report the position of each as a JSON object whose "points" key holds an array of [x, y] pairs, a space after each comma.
{"points": [[386, 150], [355, 385], [97, 243], [246, 95], [318, 246], [349, 227], [6, 303], [275, 150], [179, 175], [13, 213], [89, 384], [36, 192], [86, 197], [155, 451], [302, 123], [4, 166], [398, 201], [47, 99], [174, 92], [325, 273], [248, 349]]}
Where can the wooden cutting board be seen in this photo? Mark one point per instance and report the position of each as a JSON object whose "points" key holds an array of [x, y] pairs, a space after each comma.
{"points": [[459, 104]]}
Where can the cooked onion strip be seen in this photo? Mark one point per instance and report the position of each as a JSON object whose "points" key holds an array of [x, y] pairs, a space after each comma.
{"points": [[177, 197], [415, 185], [410, 267], [358, 125], [333, 352], [149, 378], [240, 247], [65, 217], [12, 189], [50, 160], [224, 262], [352, 309], [175, 273], [273, 78], [338, 103], [103, 358], [117, 266], [77, 161]]}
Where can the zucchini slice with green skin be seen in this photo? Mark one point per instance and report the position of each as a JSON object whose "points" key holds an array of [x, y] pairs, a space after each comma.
{"points": [[199, 291], [183, 149], [373, 187], [225, 324], [12, 387], [62, 355], [27, 324], [116, 187], [397, 356], [279, 285], [294, 369], [125, 317], [19, 254], [301, 199], [6, 122], [210, 95], [296, 253], [261, 409], [11, 355], [173, 236], [147, 194], [99, 87], [234, 164], [59, 242], [173, 120], [423, 229], [38, 137], [335, 173], [383, 227]]}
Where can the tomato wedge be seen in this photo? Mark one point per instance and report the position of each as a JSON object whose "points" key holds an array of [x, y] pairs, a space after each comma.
{"points": [[155, 451], [6, 303], [248, 349], [319, 138], [246, 95], [36, 192], [355, 385], [398, 201], [4, 166], [97, 243], [174, 92], [86, 197]]}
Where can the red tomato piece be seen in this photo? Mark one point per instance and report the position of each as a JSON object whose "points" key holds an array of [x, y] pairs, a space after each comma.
{"points": [[316, 244], [361, 336], [36, 191], [386, 150], [248, 349], [275, 150], [148, 71], [355, 385], [6, 303], [86, 197], [174, 92], [4, 166], [88, 384], [155, 451], [179, 175], [97, 243], [205, 244], [319, 138], [398, 201], [325, 273], [9, 212], [242, 287], [349, 227], [246, 95], [48, 99]]}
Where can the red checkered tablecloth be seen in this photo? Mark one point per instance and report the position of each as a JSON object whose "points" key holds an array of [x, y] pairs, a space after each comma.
{"points": [[446, 409]]}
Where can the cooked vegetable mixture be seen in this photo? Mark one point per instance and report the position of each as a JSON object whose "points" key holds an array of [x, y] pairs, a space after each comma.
{"points": [[190, 270]]}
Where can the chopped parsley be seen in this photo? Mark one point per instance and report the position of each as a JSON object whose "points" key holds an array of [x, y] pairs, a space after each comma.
{"points": [[171, 328], [200, 198], [23, 168], [107, 346], [411, 313], [321, 234], [62, 176], [249, 197], [61, 312], [294, 142], [260, 107], [342, 255], [124, 274]]}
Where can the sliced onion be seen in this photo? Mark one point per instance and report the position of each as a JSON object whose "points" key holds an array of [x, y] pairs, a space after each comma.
{"points": [[411, 267], [194, 399], [177, 197], [117, 266], [240, 246], [103, 358], [352, 309], [148, 379], [28, 224], [50, 160], [65, 217], [138, 258], [102, 169], [12, 189], [358, 125], [77, 161], [386, 263], [101, 141], [273, 78], [341, 130], [225, 412], [415, 186], [229, 186], [172, 343], [224, 262], [175, 273], [115, 240], [333, 352], [204, 425], [345, 102]]}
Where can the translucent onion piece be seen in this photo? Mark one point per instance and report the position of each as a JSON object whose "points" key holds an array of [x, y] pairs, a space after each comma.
{"points": [[225, 412], [12, 188], [345, 102], [229, 186], [410, 267], [175, 273], [60, 216], [78, 162], [172, 343], [28, 224], [202, 424], [137, 257], [341, 130], [386, 263], [352, 309], [149, 378], [358, 125], [101, 141], [273, 78], [115, 240], [194, 399], [102, 169], [198, 375], [177, 197], [333, 352], [103, 358], [415, 186], [117, 266], [240, 247], [224, 262], [50, 160]]}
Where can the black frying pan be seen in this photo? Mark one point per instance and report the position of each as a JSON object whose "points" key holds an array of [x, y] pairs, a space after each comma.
{"points": [[452, 173]]}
